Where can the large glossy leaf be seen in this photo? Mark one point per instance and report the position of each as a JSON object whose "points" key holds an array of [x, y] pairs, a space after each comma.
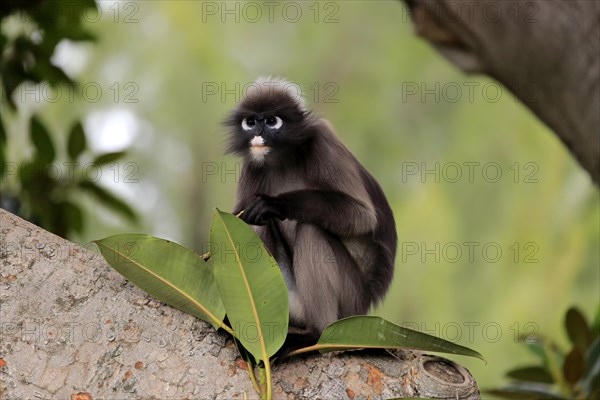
{"points": [[167, 271], [250, 284], [77, 142], [375, 332]]}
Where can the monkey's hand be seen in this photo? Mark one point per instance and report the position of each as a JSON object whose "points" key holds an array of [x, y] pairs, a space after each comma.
{"points": [[261, 210]]}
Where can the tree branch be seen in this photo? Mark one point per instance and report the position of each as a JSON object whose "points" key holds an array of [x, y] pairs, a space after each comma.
{"points": [[547, 52], [69, 324]]}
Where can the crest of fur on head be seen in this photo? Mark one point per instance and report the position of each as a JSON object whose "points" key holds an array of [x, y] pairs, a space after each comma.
{"points": [[269, 87]]}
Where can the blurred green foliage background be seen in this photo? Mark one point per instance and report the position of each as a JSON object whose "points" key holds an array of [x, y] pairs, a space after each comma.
{"points": [[498, 226]]}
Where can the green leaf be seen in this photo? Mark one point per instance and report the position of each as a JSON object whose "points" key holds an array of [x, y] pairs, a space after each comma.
{"points": [[109, 199], [578, 329], [595, 390], [531, 374], [596, 324], [537, 348], [44, 70], [549, 353], [555, 357], [359, 332], [73, 216], [77, 142], [574, 366], [250, 284], [107, 158], [40, 138], [521, 394], [2, 134], [167, 271], [75, 10], [593, 356], [13, 74], [3, 165], [592, 378]]}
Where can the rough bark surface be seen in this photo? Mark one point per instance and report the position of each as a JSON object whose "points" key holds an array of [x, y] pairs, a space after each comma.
{"points": [[69, 324], [547, 52]]}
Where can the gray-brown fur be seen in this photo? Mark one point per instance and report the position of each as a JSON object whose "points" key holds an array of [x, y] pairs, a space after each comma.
{"points": [[320, 213]]}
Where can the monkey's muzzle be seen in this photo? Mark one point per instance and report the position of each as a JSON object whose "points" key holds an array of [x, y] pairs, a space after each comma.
{"points": [[258, 147]]}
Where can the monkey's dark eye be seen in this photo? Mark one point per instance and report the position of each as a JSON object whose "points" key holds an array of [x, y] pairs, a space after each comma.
{"points": [[248, 123], [274, 122]]}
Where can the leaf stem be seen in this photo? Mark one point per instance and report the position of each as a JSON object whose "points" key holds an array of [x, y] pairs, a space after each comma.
{"points": [[262, 383], [252, 377], [269, 381], [226, 328], [303, 350]]}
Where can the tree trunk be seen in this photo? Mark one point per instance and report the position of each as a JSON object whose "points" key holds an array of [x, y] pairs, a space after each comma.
{"points": [[547, 52], [71, 325]]}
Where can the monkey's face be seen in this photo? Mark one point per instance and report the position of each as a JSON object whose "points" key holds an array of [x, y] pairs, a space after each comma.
{"points": [[262, 131], [266, 129]]}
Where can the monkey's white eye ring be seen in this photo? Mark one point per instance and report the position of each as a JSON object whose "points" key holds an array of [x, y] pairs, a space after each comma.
{"points": [[274, 122], [248, 124]]}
